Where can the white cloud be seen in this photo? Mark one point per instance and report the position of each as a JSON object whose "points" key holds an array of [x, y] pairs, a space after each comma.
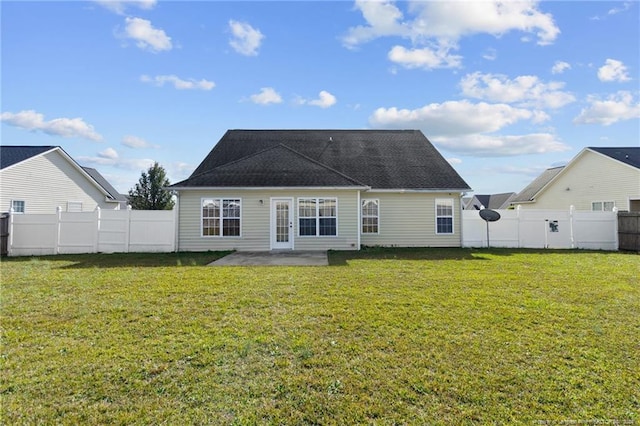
{"points": [[559, 67], [425, 58], [522, 90], [469, 128], [178, 83], [454, 161], [119, 6], [112, 159], [246, 39], [325, 100], [65, 127], [490, 55], [267, 95], [617, 107], [454, 117], [480, 145], [613, 70], [109, 153], [451, 20], [136, 142], [146, 36]]}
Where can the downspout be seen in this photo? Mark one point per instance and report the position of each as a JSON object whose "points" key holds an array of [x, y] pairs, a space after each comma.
{"points": [[359, 226], [176, 218]]}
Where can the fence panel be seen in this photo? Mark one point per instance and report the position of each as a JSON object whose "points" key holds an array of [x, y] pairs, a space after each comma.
{"points": [[555, 229], [107, 231], [629, 231]]}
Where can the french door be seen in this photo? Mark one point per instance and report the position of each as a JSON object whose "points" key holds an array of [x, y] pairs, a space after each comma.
{"points": [[281, 223]]}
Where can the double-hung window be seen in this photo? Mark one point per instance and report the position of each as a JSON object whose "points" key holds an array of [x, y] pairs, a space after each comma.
{"points": [[221, 217], [444, 216], [599, 206], [370, 216], [317, 216], [17, 206]]}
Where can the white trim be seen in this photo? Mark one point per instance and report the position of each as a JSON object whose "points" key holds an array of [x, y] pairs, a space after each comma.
{"points": [[425, 190], [360, 221], [272, 228], [453, 216], [377, 200], [266, 188], [317, 216], [221, 199]]}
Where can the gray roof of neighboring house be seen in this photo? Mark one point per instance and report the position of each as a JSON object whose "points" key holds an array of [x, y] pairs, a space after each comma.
{"points": [[105, 184], [538, 183], [627, 155], [383, 159], [494, 201], [14, 154]]}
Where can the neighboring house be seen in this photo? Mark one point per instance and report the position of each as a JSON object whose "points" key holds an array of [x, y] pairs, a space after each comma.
{"points": [[319, 190], [493, 201], [38, 179], [595, 179]]}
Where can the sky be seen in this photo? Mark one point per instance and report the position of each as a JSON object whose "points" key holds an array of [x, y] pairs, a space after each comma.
{"points": [[503, 90]]}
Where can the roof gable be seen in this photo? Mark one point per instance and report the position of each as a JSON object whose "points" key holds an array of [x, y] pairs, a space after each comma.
{"points": [[626, 155], [105, 184], [279, 166], [14, 154], [382, 159]]}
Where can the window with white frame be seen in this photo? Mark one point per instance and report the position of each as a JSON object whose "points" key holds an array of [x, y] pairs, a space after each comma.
{"points": [[444, 216], [74, 206], [603, 206], [317, 217], [221, 217], [370, 216], [17, 206]]}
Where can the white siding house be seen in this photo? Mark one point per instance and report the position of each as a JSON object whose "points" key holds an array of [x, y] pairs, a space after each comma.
{"points": [[41, 179], [596, 179], [320, 190]]}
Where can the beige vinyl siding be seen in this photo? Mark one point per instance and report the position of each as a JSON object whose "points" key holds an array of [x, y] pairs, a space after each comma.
{"points": [[591, 177], [409, 220], [47, 181], [256, 220]]}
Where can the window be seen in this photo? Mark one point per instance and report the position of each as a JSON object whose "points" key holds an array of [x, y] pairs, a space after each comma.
{"points": [[220, 217], [370, 216], [317, 216], [444, 216], [74, 206], [599, 206], [17, 206]]}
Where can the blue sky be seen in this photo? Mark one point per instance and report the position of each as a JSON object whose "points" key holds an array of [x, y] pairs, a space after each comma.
{"points": [[504, 90]]}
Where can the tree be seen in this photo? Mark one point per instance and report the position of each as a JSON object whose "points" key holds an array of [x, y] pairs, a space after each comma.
{"points": [[150, 193]]}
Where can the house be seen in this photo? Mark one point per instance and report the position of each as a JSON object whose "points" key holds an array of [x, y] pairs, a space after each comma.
{"points": [[38, 179], [320, 190], [595, 179], [491, 201]]}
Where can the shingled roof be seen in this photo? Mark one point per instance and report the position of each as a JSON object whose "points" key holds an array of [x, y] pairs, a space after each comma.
{"points": [[627, 155], [14, 154], [379, 159]]}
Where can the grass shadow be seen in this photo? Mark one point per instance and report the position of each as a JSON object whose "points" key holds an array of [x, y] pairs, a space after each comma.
{"points": [[119, 260]]}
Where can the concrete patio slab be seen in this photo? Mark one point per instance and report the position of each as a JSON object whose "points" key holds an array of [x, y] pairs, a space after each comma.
{"points": [[274, 257]]}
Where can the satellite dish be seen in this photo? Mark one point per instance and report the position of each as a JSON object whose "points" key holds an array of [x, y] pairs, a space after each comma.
{"points": [[489, 216]]}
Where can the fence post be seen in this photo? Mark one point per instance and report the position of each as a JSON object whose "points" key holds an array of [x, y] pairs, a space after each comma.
{"points": [[127, 241], [58, 226], [518, 207], [615, 228], [571, 219], [97, 240]]}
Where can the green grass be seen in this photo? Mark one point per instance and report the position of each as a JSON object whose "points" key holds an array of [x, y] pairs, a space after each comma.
{"points": [[415, 336]]}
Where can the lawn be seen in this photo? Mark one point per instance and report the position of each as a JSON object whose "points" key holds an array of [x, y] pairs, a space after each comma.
{"points": [[421, 336]]}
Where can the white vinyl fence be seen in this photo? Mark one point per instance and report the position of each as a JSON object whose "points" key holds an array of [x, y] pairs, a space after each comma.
{"points": [[555, 229], [101, 231]]}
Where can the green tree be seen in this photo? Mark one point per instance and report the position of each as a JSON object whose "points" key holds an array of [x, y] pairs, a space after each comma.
{"points": [[150, 193]]}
